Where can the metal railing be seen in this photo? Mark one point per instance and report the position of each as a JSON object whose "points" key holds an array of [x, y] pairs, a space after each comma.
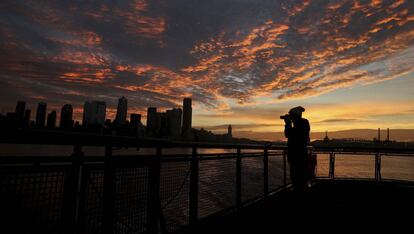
{"points": [[142, 193]]}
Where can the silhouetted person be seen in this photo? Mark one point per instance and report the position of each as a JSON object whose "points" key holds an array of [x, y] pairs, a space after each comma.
{"points": [[297, 131]]}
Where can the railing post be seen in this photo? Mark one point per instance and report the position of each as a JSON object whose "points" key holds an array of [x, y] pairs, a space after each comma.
{"points": [[332, 166], [377, 166], [284, 170], [194, 188], [154, 203], [238, 179], [72, 186], [266, 170], [109, 188]]}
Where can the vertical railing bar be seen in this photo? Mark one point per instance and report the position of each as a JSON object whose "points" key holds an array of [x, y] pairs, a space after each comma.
{"points": [[266, 170], [78, 161], [379, 167], [71, 193], [85, 174], [154, 203], [376, 167], [109, 188], [332, 166], [238, 179], [284, 170], [193, 212]]}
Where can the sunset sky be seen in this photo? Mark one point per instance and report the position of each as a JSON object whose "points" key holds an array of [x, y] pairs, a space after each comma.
{"points": [[244, 62]]}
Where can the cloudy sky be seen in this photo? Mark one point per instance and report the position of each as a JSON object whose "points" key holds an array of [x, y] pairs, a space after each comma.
{"points": [[245, 62]]}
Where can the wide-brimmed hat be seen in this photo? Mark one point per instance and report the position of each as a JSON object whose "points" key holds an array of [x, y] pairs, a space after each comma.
{"points": [[296, 110]]}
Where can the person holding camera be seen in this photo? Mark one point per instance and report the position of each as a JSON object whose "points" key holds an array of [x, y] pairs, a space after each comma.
{"points": [[297, 132]]}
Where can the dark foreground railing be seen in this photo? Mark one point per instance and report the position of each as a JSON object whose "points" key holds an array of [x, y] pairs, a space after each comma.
{"points": [[141, 193]]}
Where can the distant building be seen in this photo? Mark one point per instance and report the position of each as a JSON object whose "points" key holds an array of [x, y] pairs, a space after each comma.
{"points": [[66, 117], [11, 119], [26, 119], [229, 131], [41, 114], [187, 115], [77, 125], [108, 122], [379, 135], [121, 113], [20, 111], [174, 122], [326, 139], [135, 119], [388, 136], [163, 124], [51, 120], [152, 121], [94, 112]]}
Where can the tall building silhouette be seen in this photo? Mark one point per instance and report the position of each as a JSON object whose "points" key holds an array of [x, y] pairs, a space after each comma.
{"points": [[41, 114], [162, 123], [135, 119], [66, 116], [121, 113], [388, 135], [94, 112], [152, 121], [26, 119], [174, 122], [20, 111], [229, 131], [187, 115], [51, 120], [379, 135]]}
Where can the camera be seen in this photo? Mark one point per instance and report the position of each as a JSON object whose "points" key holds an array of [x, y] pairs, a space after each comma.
{"points": [[285, 116]]}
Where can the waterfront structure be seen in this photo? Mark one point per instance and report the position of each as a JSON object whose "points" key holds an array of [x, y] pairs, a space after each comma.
{"points": [[135, 119], [41, 114], [51, 120], [187, 117], [66, 120], [152, 121], [94, 112], [20, 113], [174, 122], [121, 113]]}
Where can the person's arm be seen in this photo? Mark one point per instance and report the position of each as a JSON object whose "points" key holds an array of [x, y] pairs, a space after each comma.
{"points": [[288, 128]]}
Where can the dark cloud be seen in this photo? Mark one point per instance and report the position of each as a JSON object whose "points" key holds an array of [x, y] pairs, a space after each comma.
{"points": [[157, 52], [338, 120]]}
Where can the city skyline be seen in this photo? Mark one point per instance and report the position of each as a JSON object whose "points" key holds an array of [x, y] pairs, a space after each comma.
{"points": [[65, 115], [174, 123], [338, 59]]}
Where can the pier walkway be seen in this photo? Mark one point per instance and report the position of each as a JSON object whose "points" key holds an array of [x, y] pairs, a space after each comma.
{"points": [[193, 187]]}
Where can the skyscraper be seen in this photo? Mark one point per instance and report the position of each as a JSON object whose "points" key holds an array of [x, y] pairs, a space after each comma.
{"points": [[229, 131], [174, 122], [187, 115], [66, 120], [94, 113], [41, 114], [152, 121], [20, 108], [51, 120], [26, 119], [121, 113]]}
